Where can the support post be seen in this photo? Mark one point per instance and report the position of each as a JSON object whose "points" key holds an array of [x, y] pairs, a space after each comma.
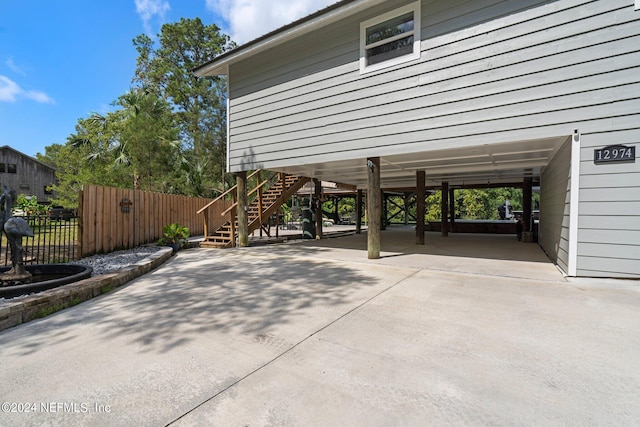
{"points": [[420, 206], [318, 194], [383, 211], [374, 207], [405, 198], [445, 209], [243, 222], [359, 212], [527, 192], [452, 208]]}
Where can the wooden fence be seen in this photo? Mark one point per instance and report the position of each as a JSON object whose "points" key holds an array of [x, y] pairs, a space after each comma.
{"points": [[117, 218]]}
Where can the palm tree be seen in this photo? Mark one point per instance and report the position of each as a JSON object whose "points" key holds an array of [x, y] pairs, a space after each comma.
{"points": [[141, 135]]}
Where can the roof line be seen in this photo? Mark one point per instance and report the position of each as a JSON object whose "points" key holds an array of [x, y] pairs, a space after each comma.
{"points": [[7, 147], [242, 48]]}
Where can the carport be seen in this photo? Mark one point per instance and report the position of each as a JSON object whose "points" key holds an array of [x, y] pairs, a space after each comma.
{"points": [[519, 164]]}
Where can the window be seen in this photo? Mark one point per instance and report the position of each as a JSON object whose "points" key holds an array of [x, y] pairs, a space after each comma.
{"points": [[390, 39], [12, 168], [48, 190], [2, 169]]}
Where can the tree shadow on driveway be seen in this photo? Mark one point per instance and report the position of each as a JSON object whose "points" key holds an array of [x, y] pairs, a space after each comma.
{"points": [[245, 293]]}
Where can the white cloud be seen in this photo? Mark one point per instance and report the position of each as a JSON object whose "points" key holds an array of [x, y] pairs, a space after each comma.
{"points": [[148, 9], [39, 96], [10, 91], [250, 19], [14, 67]]}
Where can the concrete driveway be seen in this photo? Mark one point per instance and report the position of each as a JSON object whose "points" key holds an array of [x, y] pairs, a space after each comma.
{"points": [[463, 331]]}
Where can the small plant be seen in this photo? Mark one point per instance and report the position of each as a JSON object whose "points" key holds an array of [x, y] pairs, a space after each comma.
{"points": [[28, 205], [174, 235]]}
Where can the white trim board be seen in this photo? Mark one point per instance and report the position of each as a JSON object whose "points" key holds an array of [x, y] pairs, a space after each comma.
{"points": [[572, 260]]}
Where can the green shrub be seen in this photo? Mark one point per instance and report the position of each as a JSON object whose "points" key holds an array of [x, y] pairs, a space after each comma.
{"points": [[174, 234]]}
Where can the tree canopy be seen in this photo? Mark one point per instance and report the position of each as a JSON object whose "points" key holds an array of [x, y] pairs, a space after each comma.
{"points": [[199, 104], [166, 133]]}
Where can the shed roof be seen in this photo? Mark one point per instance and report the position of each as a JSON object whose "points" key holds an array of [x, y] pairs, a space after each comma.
{"points": [[33, 159]]}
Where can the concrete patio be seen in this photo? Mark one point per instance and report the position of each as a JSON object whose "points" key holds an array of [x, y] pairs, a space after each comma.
{"points": [[467, 330]]}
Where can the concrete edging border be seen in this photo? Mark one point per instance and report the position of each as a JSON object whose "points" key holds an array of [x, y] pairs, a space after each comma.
{"points": [[42, 304]]}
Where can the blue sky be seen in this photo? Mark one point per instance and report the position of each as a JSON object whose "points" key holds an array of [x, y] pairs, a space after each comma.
{"points": [[62, 60]]}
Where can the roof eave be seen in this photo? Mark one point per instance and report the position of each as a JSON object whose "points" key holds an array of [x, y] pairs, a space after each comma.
{"points": [[220, 65]]}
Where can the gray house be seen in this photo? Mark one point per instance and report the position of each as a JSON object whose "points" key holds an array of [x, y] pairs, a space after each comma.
{"points": [[25, 175], [399, 94]]}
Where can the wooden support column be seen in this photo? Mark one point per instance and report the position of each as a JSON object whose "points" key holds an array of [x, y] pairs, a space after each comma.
{"points": [[527, 192], [445, 209], [318, 211], [374, 207], [359, 212], [452, 208], [406, 199], [383, 211], [243, 223], [420, 206]]}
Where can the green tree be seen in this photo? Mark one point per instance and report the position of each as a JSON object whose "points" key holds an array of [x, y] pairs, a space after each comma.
{"points": [[138, 139], [199, 104], [73, 170]]}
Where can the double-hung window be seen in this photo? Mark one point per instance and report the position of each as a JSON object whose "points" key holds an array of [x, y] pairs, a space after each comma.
{"points": [[390, 39]]}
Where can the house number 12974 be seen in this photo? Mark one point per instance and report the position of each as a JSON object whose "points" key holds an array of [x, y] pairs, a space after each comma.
{"points": [[614, 153]]}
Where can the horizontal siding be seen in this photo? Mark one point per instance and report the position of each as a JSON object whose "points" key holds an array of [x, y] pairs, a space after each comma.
{"points": [[554, 207], [542, 87], [609, 235], [433, 135], [580, 106], [499, 76], [441, 141], [299, 79], [618, 222], [596, 250], [627, 192], [609, 209], [608, 267], [614, 178], [516, 58]]}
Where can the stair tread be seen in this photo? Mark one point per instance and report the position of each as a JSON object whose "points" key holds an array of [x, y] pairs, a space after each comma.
{"points": [[223, 236]]}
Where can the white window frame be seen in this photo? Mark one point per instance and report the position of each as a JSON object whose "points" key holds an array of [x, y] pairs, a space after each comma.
{"points": [[413, 7]]}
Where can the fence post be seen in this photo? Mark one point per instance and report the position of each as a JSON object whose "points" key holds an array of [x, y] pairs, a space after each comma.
{"points": [[80, 235]]}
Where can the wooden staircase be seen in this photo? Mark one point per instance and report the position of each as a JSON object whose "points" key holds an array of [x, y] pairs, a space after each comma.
{"points": [[264, 201]]}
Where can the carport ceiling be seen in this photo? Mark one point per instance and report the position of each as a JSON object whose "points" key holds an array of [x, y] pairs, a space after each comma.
{"points": [[481, 165]]}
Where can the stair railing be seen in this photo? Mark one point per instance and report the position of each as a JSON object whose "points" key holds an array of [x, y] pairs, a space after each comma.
{"points": [[234, 193], [257, 189]]}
